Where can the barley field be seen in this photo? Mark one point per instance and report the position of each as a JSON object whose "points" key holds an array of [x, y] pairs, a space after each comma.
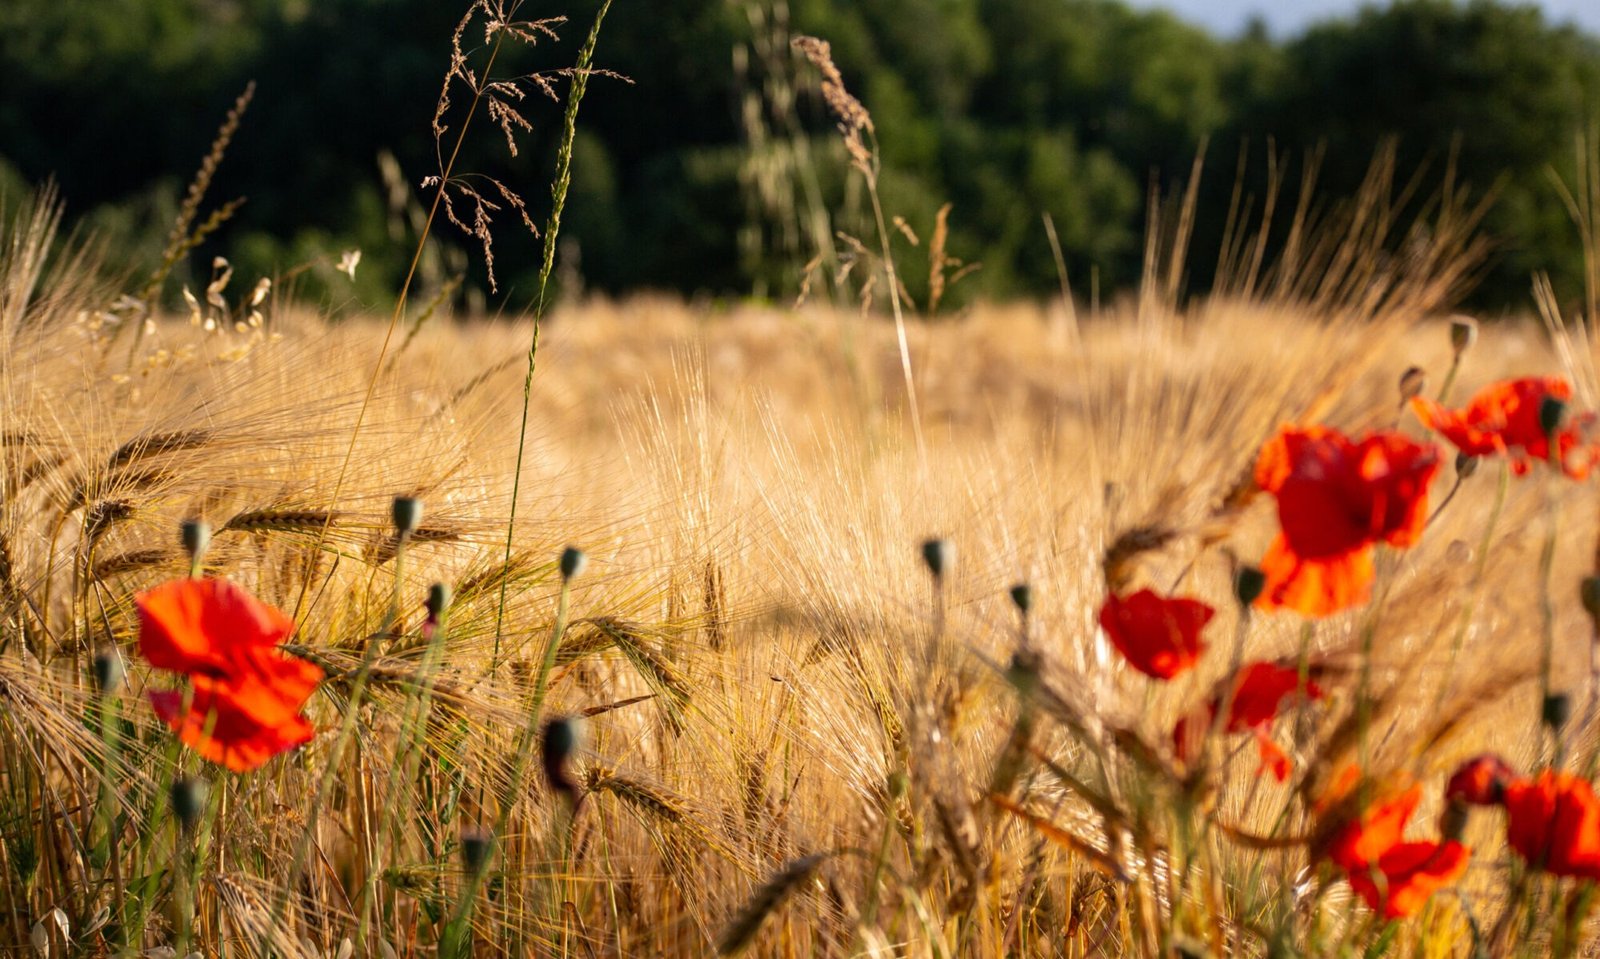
{"points": [[1257, 622], [761, 665]]}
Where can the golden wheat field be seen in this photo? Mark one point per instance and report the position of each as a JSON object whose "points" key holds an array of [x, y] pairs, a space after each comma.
{"points": [[789, 701]]}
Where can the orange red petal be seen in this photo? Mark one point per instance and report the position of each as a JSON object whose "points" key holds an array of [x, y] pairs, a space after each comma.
{"points": [[1158, 636], [1553, 822], [1337, 498], [204, 625], [1393, 876], [245, 696], [1503, 419]]}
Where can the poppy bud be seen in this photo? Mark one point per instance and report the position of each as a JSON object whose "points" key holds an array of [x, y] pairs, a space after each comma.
{"points": [[573, 562], [1552, 410], [1463, 333], [438, 600], [407, 515], [938, 554], [1480, 781], [1589, 592], [1556, 711], [108, 672], [476, 844], [560, 740], [1458, 553], [1466, 465], [1412, 383], [1248, 583], [1022, 596], [188, 798], [195, 536]]}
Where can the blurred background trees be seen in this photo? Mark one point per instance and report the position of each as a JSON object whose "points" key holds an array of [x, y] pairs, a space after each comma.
{"points": [[716, 170]]}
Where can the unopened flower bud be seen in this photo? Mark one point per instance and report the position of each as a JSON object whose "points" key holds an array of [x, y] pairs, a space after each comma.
{"points": [[407, 514], [1412, 383], [1248, 584], [1552, 410], [1466, 465], [573, 562], [188, 798], [108, 671], [195, 536], [1463, 333], [1022, 596], [1589, 592], [559, 742], [1557, 709], [438, 600], [938, 554], [476, 844]]}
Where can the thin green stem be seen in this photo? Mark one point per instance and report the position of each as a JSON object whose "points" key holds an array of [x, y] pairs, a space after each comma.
{"points": [[558, 194]]}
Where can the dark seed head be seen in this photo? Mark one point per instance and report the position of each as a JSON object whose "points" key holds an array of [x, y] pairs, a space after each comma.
{"points": [[195, 536], [1552, 410], [938, 554], [1556, 711], [1412, 382], [1248, 583], [1466, 465], [1022, 596], [108, 671], [188, 797], [558, 744], [476, 845], [407, 515], [573, 562], [1589, 592], [1463, 333], [438, 600]]}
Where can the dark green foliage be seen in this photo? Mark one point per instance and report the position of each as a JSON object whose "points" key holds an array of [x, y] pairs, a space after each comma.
{"points": [[1008, 109]]}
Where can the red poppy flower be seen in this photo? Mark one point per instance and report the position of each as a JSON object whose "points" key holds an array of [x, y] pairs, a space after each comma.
{"points": [[200, 626], [1261, 690], [1504, 418], [1553, 822], [1159, 637], [246, 696], [1393, 876], [242, 723], [1480, 781], [1337, 497]]}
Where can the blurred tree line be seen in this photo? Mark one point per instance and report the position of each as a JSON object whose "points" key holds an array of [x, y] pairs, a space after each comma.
{"points": [[716, 169]]}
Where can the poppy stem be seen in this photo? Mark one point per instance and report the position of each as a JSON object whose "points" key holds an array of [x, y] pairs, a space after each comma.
{"points": [[526, 743], [1547, 620], [1474, 592]]}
